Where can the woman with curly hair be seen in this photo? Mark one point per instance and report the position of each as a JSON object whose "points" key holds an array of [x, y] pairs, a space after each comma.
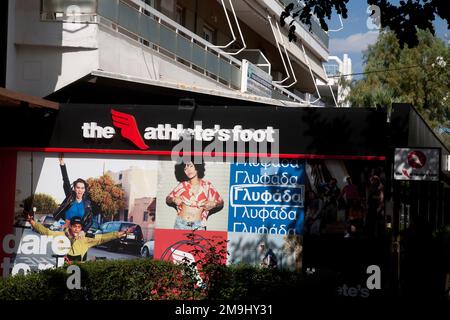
{"points": [[194, 198]]}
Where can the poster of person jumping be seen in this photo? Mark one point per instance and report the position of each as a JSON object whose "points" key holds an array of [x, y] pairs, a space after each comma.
{"points": [[104, 205]]}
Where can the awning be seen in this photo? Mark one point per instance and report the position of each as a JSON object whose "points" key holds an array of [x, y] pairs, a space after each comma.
{"points": [[9, 98], [107, 87]]}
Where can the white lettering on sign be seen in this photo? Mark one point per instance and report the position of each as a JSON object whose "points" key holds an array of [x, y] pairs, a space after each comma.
{"points": [[92, 130], [167, 132]]}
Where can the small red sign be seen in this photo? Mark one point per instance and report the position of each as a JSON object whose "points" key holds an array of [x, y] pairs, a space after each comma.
{"points": [[416, 159]]}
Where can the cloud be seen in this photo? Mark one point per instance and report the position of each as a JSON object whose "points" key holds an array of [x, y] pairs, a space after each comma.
{"points": [[355, 43]]}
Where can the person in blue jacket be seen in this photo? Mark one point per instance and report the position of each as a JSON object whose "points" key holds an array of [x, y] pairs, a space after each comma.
{"points": [[76, 203]]}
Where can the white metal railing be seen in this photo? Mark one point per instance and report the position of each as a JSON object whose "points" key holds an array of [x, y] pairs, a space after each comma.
{"points": [[165, 35], [160, 17], [217, 64], [179, 27], [287, 93]]}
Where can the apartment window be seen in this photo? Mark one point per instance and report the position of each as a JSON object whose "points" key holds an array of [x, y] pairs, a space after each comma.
{"points": [[208, 33], [332, 69], [180, 15], [151, 3], [145, 216], [120, 176], [63, 10]]}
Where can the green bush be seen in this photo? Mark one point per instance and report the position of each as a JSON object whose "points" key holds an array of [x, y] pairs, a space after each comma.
{"points": [[144, 279], [102, 280], [45, 285], [247, 282]]}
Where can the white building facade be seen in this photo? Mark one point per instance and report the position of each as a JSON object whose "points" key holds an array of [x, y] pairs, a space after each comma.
{"points": [[334, 92], [231, 49]]}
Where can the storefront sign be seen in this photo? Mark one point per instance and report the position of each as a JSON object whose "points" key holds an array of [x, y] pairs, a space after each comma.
{"points": [[255, 81], [127, 125], [416, 164]]}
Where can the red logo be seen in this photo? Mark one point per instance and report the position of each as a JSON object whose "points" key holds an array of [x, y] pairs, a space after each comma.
{"points": [[406, 173], [129, 129], [416, 159]]}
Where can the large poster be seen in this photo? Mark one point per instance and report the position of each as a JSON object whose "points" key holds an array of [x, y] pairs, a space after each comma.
{"points": [[266, 250], [178, 245], [267, 198], [109, 194], [129, 207], [193, 196], [344, 198], [266, 213]]}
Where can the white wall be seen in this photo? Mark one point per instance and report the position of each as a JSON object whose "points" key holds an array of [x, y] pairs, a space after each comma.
{"points": [[345, 67], [45, 56], [11, 49], [344, 92], [122, 55], [31, 30], [41, 70]]}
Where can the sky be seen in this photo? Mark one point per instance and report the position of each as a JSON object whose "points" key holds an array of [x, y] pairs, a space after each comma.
{"points": [[356, 35], [47, 174]]}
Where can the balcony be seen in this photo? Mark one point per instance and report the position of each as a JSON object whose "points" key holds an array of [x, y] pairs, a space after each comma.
{"points": [[316, 30], [62, 10], [152, 29], [332, 69]]}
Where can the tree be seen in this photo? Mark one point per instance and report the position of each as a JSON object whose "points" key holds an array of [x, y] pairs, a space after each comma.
{"points": [[403, 20], [107, 197], [44, 203], [420, 76]]}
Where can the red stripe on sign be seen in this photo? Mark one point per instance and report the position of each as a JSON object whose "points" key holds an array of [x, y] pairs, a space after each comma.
{"points": [[8, 167], [191, 153]]}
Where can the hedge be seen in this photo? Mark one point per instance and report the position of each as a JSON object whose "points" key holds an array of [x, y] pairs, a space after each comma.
{"points": [[146, 279], [100, 280]]}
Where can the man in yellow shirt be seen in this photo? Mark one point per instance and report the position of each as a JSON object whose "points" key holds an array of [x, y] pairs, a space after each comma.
{"points": [[79, 244]]}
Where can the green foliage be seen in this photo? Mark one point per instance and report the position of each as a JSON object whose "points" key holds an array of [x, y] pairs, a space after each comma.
{"points": [[106, 196], [403, 18], [247, 282], [241, 281], [146, 279], [133, 279], [44, 203], [420, 76], [442, 232], [101, 280], [45, 285], [211, 255]]}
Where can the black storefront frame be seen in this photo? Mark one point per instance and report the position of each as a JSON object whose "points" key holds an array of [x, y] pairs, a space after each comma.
{"points": [[385, 156]]}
